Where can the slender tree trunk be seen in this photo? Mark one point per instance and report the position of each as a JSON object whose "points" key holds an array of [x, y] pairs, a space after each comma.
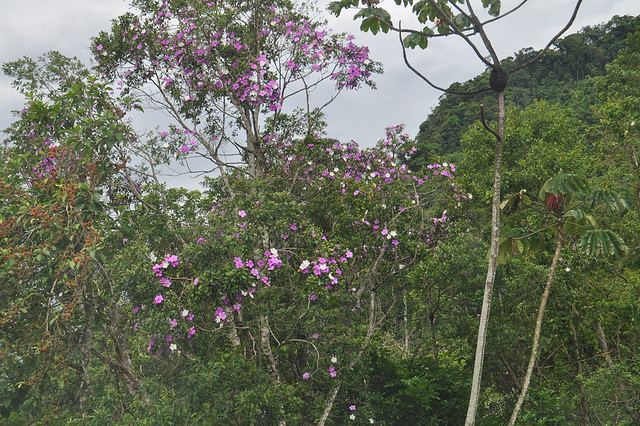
{"points": [[583, 399], [604, 347], [85, 389], [536, 334], [493, 265], [405, 323], [265, 342], [367, 338]]}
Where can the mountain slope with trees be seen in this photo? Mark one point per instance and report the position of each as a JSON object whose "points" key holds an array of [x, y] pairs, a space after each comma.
{"points": [[563, 76]]}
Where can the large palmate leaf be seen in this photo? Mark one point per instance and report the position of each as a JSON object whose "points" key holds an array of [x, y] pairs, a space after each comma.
{"points": [[565, 183], [602, 242], [510, 247], [609, 199]]}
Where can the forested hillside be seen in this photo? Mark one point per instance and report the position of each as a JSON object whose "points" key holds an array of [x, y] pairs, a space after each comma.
{"points": [[310, 280], [564, 76]]}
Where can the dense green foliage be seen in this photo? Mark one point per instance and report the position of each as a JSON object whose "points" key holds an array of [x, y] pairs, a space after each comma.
{"points": [[308, 278]]}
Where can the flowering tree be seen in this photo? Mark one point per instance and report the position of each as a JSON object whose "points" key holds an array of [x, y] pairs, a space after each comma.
{"points": [[218, 68], [278, 278]]}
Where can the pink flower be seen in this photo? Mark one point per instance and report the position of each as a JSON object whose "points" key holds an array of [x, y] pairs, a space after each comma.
{"points": [[192, 331], [332, 372], [221, 315], [158, 299], [306, 376], [352, 407], [99, 47], [242, 213]]}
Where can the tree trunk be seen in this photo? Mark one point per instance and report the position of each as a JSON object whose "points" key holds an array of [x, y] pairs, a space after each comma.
{"points": [[265, 342], [536, 334], [85, 344], [491, 269], [604, 347], [367, 338]]}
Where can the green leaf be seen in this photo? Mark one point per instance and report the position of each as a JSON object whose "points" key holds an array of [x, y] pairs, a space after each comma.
{"points": [[609, 199], [509, 247], [577, 214], [382, 15], [493, 6], [602, 242], [565, 183]]}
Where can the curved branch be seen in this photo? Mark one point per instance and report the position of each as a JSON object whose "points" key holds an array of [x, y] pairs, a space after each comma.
{"points": [[484, 122], [497, 18], [426, 80], [553, 40], [467, 40]]}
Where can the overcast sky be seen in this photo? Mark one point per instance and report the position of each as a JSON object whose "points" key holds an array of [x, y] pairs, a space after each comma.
{"points": [[33, 27]]}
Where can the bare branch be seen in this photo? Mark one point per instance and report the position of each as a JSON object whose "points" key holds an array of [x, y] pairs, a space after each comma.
{"points": [[426, 80], [553, 40]]}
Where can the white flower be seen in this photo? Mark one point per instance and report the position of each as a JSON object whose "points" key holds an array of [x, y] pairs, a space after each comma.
{"points": [[334, 359], [184, 313], [372, 421], [393, 233], [304, 265], [152, 257], [352, 417], [173, 347], [470, 196], [401, 266], [274, 252], [567, 269]]}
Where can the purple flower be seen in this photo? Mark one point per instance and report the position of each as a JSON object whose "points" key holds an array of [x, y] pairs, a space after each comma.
{"points": [[221, 315], [173, 323]]}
